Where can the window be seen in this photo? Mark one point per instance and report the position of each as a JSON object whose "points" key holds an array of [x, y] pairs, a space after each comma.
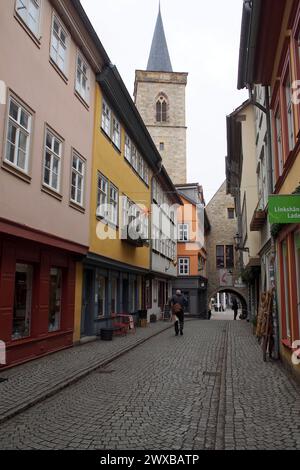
{"points": [[113, 202], [183, 232], [285, 286], [102, 196], [297, 259], [59, 45], [106, 118], [161, 146], [29, 11], [229, 257], [146, 173], [82, 80], [230, 213], [18, 136], [116, 132], [201, 263], [52, 161], [134, 158], [55, 298], [290, 114], [161, 110], [107, 200], [22, 301], [114, 295], [77, 179], [101, 291], [183, 266], [279, 142], [220, 256], [127, 151]]}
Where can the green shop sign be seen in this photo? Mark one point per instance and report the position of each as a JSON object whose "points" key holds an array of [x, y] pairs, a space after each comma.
{"points": [[284, 209]]}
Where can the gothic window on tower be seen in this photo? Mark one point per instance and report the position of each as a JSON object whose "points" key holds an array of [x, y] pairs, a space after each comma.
{"points": [[161, 109]]}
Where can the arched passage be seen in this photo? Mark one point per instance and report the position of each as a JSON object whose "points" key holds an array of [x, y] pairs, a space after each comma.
{"points": [[235, 293]]}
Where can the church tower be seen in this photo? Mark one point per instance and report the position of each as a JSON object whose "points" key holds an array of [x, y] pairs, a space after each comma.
{"points": [[159, 95]]}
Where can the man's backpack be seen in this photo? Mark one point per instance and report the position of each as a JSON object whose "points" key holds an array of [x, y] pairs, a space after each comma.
{"points": [[176, 308]]}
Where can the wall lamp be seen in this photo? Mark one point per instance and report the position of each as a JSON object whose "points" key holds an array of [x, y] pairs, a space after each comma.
{"points": [[238, 241]]}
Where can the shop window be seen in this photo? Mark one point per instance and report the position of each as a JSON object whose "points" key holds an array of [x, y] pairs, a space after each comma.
{"points": [[286, 288], [22, 301], [114, 291], [55, 297], [297, 259], [101, 296]]}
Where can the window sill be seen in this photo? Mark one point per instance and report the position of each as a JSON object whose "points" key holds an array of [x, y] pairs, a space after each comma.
{"points": [[77, 207], [16, 172], [82, 100], [52, 192], [107, 222], [59, 71], [33, 37]]}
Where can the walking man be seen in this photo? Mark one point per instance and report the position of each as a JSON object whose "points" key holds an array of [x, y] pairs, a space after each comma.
{"points": [[235, 307], [177, 303]]}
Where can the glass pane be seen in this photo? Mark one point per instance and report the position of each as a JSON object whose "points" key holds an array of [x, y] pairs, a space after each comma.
{"points": [[12, 132], [49, 140], [47, 176], [21, 162], [24, 119], [22, 141], [56, 146], [48, 160], [73, 192], [55, 165], [13, 110], [73, 178], [55, 295], [22, 301], [101, 296], [10, 152], [55, 25], [54, 181]]}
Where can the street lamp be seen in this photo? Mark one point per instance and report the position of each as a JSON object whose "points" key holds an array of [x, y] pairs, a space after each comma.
{"points": [[237, 242]]}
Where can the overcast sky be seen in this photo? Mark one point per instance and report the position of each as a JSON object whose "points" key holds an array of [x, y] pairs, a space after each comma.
{"points": [[203, 39]]}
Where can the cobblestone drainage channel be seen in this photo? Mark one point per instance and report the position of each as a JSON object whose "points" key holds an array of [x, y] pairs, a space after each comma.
{"points": [[104, 371]]}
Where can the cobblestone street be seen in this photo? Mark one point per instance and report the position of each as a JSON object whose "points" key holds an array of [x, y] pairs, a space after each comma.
{"points": [[206, 390]]}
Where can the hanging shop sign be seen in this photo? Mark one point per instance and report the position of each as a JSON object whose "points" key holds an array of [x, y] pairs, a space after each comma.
{"points": [[284, 209]]}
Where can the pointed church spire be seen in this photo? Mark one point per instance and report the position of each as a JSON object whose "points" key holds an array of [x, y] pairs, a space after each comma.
{"points": [[159, 59]]}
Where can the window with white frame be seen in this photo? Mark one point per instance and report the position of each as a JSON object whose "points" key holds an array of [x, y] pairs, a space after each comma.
{"points": [[18, 135], [183, 232], [107, 200], [102, 196], [59, 44], [290, 113], [77, 179], [116, 132], [113, 201], [183, 266], [106, 118], [127, 151], [29, 11], [82, 78], [146, 173], [134, 159], [52, 161]]}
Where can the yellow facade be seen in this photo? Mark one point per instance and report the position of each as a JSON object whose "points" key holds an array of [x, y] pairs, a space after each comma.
{"points": [[112, 164]]}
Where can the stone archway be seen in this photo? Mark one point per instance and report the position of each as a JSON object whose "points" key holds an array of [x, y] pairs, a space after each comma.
{"points": [[235, 292]]}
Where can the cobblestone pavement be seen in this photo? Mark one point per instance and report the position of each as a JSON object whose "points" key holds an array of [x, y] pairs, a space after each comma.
{"points": [[209, 389], [30, 383]]}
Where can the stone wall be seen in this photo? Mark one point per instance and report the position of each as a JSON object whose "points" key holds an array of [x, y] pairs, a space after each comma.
{"points": [[223, 231]]}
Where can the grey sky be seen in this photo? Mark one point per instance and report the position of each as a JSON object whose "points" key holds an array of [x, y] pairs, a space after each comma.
{"points": [[203, 40]]}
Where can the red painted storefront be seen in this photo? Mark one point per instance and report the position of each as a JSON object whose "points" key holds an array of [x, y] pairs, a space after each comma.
{"points": [[27, 258]]}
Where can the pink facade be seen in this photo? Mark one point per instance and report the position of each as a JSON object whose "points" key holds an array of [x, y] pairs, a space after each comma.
{"points": [[34, 81]]}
